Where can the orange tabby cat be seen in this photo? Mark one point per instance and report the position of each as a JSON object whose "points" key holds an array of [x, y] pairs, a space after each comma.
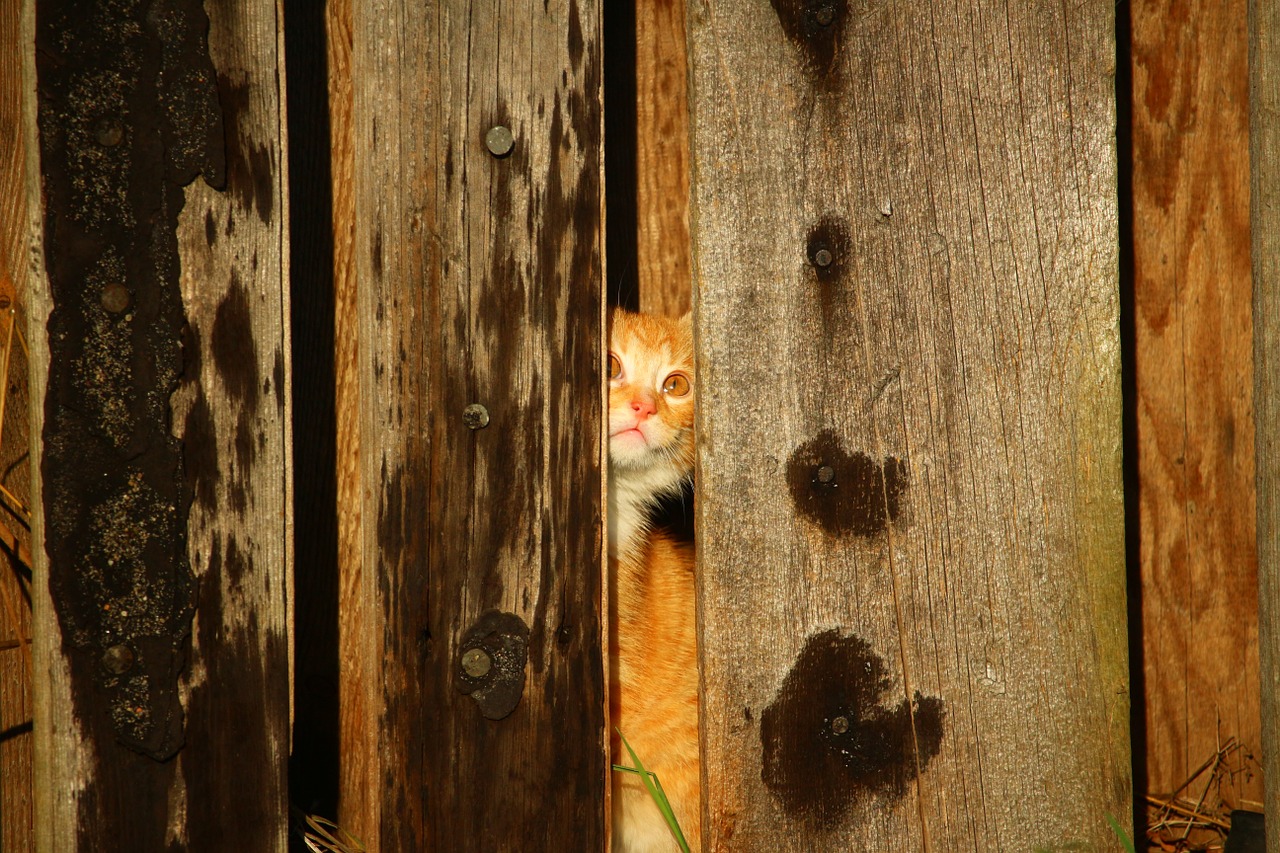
{"points": [[654, 653]]}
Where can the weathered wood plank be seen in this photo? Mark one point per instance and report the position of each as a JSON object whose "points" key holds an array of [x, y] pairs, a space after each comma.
{"points": [[1264, 156], [16, 805], [905, 239], [236, 289], [223, 256], [479, 279], [1194, 364], [359, 809], [662, 157]]}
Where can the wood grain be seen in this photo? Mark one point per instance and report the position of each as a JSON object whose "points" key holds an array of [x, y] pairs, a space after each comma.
{"points": [[236, 292], [1194, 376], [16, 801], [479, 282], [226, 787], [954, 359], [1264, 157], [662, 158], [359, 809]]}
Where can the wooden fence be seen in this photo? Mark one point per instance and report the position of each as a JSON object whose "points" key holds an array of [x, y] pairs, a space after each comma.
{"points": [[917, 255]]}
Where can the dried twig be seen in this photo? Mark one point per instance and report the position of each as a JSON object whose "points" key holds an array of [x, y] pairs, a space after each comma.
{"points": [[325, 836], [1198, 816], [1176, 817]]}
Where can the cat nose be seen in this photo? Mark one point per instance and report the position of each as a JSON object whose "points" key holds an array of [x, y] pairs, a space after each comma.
{"points": [[643, 406]]}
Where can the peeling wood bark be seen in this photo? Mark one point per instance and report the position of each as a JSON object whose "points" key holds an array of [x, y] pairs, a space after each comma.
{"points": [[909, 513], [479, 279]]}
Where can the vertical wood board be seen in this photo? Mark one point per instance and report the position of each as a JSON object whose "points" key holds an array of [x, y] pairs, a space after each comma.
{"points": [[229, 413], [358, 804], [910, 516], [1194, 377], [1264, 207], [479, 283], [239, 460], [662, 157], [16, 801]]}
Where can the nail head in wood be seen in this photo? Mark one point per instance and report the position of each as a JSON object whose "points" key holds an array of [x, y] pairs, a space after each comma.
{"points": [[476, 663], [115, 297], [109, 133], [499, 141], [826, 474], [822, 258], [825, 15], [118, 659], [475, 416]]}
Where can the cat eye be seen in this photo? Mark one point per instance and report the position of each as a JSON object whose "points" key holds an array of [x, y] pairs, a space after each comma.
{"points": [[677, 385], [615, 367]]}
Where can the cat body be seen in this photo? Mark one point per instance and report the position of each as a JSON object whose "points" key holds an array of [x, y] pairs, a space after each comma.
{"points": [[653, 652]]}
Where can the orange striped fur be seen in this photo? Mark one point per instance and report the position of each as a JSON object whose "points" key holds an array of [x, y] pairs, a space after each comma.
{"points": [[653, 654]]}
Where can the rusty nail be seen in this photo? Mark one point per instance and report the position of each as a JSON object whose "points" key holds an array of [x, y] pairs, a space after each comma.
{"points": [[826, 474], [823, 258], [476, 663], [499, 141], [109, 133], [825, 16], [118, 659], [840, 725], [115, 297], [475, 416]]}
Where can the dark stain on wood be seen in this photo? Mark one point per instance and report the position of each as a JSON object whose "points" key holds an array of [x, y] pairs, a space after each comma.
{"points": [[491, 663], [249, 165], [814, 27], [246, 448], [402, 577], [234, 348], [128, 116], [243, 782], [575, 43], [200, 454], [828, 742], [845, 492]]}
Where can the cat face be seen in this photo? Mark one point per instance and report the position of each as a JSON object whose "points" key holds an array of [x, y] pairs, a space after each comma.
{"points": [[651, 385]]}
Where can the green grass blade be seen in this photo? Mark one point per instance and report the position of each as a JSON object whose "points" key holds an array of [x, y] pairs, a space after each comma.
{"points": [[1121, 834], [654, 787]]}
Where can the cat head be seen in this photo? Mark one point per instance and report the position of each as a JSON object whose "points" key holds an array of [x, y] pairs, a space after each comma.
{"points": [[651, 392]]}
